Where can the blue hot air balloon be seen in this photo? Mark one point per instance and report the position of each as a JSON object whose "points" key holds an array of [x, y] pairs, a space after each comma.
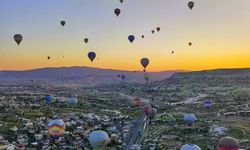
{"points": [[208, 103], [48, 99], [91, 56], [72, 101], [131, 38], [98, 139], [190, 147], [190, 119]]}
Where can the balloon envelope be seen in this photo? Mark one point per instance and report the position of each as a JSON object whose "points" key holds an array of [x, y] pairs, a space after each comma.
{"points": [[158, 29], [144, 62], [228, 143], [86, 40], [208, 103], [190, 119], [191, 5], [117, 11], [18, 38], [146, 76], [98, 139], [146, 109], [72, 101], [152, 112], [190, 147], [131, 38], [63, 23], [91, 56], [48, 99], [56, 128], [137, 102], [123, 77]]}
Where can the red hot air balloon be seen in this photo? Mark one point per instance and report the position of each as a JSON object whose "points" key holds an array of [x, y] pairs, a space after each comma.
{"points": [[137, 102], [146, 109], [228, 143]]}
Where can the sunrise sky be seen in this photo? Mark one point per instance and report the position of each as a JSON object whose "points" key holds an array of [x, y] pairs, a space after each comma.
{"points": [[219, 30]]}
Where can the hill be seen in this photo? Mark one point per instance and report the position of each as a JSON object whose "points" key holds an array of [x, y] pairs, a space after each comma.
{"points": [[82, 75]]}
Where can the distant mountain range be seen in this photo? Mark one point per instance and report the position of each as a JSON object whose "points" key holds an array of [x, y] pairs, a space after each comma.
{"points": [[82, 75], [213, 77]]}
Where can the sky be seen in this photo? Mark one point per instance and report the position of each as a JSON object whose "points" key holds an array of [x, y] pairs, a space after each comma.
{"points": [[218, 29]]}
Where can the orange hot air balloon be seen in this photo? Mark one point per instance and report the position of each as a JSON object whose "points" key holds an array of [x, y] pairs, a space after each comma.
{"points": [[137, 102]]}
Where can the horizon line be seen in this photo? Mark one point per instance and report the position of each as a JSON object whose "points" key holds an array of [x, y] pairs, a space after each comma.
{"points": [[175, 70]]}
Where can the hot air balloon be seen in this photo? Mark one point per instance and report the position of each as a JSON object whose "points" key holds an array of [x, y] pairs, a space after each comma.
{"points": [[121, 1], [91, 56], [86, 40], [118, 76], [172, 52], [146, 76], [190, 147], [123, 77], [146, 109], [190, 119], [131, 38], [137, 102], [48, 99], [152, 113], [72, 101], [117, 11], [228, 143], [142, 36], [158, 29], [190, 43], [56, 128], [48, 57], [63, 23], [98, 139], [18, 38], [191, 5], [153, 31], [208, 103], [144, 63], [19, 146]]}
